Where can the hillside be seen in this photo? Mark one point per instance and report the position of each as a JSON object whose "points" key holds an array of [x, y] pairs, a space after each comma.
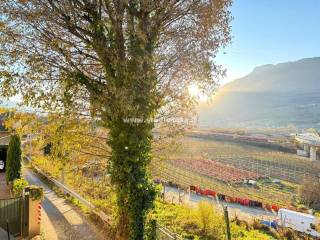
{"points": [[270, 96]]}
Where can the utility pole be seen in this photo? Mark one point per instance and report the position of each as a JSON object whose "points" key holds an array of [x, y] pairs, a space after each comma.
{"points": [[30, 147], [226, 217]]}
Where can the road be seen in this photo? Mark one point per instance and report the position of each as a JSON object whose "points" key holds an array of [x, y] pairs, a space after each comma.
{"points": [[242, 212], [61, 220], [4, 189]]}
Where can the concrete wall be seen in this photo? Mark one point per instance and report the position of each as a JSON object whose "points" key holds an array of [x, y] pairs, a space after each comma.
{"points": [[313, 153], [34, 218]]}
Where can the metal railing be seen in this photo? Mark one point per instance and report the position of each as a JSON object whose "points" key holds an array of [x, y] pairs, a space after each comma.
{"points": [[104, 217], [165, 234], [11, 215]]}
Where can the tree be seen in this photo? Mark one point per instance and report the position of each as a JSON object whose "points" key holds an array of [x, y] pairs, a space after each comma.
{"points": [[127, 62], [13, 166], [309, 193]]}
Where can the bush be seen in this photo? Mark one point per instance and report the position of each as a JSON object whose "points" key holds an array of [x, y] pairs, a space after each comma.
{"points": [[18, 186], [13, 168], [35, 192], [289, 234], [209, 220], [241, 223], [309, 194], [47, 149], [263, 228]]}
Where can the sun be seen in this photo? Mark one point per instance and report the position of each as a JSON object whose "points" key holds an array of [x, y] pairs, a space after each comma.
{"points": [[195, 92]]}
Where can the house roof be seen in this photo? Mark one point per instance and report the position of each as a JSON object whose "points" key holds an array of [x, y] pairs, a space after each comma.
{"points": [[309, 138]]}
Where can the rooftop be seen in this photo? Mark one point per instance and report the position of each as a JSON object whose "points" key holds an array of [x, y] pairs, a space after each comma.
{"points": [[309, 138]]}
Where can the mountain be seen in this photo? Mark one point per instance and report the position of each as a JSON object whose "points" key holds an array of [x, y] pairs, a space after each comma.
{"points": [[7, 104], [270, 96]]}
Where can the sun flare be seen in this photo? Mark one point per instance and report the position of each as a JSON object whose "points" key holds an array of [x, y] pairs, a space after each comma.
{"points": [[195, 92]]}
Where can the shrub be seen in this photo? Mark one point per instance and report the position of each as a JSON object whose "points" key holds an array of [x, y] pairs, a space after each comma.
{"points": [[13, 168], [261, 227], [241, 223], [309, 194], [35, 192], [18, 186], [47, 149], [209, 220]]}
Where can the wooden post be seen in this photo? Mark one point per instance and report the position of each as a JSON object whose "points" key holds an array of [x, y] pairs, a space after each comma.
{"points": [[8, 230], [226, 217], [62, 175], [164, 192]]}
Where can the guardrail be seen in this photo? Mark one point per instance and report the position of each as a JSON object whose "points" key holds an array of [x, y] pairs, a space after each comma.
{"points": [[104, 217], [165, 234]]}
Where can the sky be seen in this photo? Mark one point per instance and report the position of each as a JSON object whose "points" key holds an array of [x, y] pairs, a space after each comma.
{"points": [[270, 32]]}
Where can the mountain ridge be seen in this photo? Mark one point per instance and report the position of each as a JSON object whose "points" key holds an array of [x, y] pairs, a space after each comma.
{"points": [[306, 68], [271, 95]]}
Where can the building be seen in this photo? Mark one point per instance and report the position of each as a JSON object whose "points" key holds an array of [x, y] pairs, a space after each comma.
{"points": [[4, 142], [310, 144]]}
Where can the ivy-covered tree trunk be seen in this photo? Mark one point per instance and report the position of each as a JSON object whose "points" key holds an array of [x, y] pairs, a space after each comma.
{"points": [[130, 143], [115, 60]]}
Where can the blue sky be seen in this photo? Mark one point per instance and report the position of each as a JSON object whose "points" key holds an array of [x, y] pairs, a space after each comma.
{"points": [[270, 31]]}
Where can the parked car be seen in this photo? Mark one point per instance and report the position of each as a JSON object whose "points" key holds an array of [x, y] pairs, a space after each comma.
{"points": [[1, 165]]}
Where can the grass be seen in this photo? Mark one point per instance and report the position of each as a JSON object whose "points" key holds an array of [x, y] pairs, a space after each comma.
{"points": [[203, 222]]}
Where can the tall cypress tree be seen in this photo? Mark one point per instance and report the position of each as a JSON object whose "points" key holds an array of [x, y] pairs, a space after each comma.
{"points": [[13, 168]]}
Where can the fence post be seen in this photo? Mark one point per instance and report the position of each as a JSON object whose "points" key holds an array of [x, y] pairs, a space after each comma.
{"points": [[25, 215], [164, 192], [8, 230], [226, 217]]}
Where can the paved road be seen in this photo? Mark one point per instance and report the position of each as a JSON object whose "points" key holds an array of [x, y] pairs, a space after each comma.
{"points": [[243, 212], [4, 189], [60, 220]]}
